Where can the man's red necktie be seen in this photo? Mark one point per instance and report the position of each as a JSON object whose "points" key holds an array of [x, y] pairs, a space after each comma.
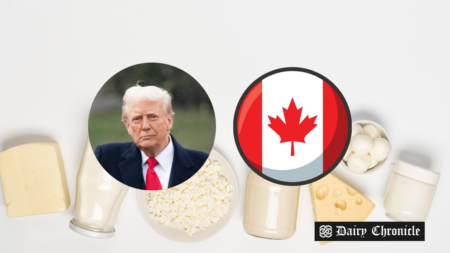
{"points": [[152, 179]]}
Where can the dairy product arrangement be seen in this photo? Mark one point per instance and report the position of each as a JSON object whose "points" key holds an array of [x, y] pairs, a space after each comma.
{"points": [[34, 179], [34, 182], [196, 204]]}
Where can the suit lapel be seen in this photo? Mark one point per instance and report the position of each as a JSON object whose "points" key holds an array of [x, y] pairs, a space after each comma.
{"points": [[182, 165], [131, 168]]}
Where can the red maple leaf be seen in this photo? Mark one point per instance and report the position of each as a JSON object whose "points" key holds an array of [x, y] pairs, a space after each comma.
{"points": [[293, 130]]}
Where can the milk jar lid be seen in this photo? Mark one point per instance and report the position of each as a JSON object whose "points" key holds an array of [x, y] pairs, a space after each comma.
{"points": [[417, 173], [85, 232]]}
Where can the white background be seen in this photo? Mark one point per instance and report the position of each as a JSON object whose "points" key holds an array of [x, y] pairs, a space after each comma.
{"points": [[390, 59]]}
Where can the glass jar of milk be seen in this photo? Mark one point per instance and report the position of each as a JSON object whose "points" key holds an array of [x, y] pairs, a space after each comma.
{"points": [[98, 199], [270, 209], [410, 192]]}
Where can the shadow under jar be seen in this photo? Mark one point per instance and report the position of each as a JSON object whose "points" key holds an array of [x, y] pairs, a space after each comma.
{"points": [[270, 209]]}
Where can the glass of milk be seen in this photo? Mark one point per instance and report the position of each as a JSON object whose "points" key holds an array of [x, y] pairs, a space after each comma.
{"points": [[98, 199]]}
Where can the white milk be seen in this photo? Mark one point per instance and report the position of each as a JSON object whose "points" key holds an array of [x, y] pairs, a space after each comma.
{"points": [[270, 209], [98, 199]]}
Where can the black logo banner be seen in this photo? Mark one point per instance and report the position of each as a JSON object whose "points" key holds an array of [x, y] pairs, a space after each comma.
{"points": [[369, 231]]}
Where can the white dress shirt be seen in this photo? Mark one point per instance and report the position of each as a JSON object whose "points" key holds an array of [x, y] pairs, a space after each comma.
{"points": [[164, 167]]}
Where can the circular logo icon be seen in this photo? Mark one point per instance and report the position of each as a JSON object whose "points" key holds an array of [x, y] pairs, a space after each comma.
{"points": [[325, 231], [292, 126]]}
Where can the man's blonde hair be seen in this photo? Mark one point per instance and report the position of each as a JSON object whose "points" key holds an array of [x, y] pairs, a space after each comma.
{"points": [[138, 92]]}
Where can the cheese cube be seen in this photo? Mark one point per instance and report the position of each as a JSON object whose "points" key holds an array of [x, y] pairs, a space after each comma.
{"points": [[334, 200], [34, 180]]}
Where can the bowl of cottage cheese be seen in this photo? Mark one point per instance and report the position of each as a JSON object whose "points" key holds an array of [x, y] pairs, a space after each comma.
{"points": [[197, 209]]}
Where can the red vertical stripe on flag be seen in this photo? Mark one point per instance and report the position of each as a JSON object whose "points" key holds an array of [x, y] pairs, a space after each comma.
{"points": [[330, 114], [335, 126], [249, 126]]}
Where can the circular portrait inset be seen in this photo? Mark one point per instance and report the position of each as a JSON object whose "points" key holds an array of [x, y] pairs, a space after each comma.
{"points": [[152, 126]]}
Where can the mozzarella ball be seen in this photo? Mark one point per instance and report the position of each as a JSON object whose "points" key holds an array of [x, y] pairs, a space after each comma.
{"points": [[357, 130], [362, 144], [350, 155], [372, 131], [349, 150], [359, 163], [373, 163], [380, 150]]}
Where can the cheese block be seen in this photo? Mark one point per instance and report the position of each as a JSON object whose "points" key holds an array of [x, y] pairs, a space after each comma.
{"points": [[34, 180], [334, 200]]}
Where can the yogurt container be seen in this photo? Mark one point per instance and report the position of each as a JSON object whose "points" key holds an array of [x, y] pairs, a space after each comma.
{"points": [[410, 192]]}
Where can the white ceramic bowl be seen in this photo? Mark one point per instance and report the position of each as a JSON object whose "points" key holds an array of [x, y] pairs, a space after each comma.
{"points": [[384, 134], [179, 235]]}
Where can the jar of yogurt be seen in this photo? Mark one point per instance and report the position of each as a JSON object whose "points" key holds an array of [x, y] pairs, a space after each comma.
{"points": [[270, 209], [98, 199], [410, 192]]}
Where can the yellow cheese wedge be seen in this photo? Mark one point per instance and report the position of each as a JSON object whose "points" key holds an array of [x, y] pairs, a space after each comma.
{"points": [[334, 200], [34, 180]]}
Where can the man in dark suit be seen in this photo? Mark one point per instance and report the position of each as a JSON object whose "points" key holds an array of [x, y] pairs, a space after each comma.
{"points": [[155, 160]]}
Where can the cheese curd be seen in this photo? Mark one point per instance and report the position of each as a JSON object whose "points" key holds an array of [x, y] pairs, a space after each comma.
{"points": [[194, 205]]}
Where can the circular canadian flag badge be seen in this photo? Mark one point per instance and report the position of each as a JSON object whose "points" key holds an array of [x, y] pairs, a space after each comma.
{"points": [[292, 126]]}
